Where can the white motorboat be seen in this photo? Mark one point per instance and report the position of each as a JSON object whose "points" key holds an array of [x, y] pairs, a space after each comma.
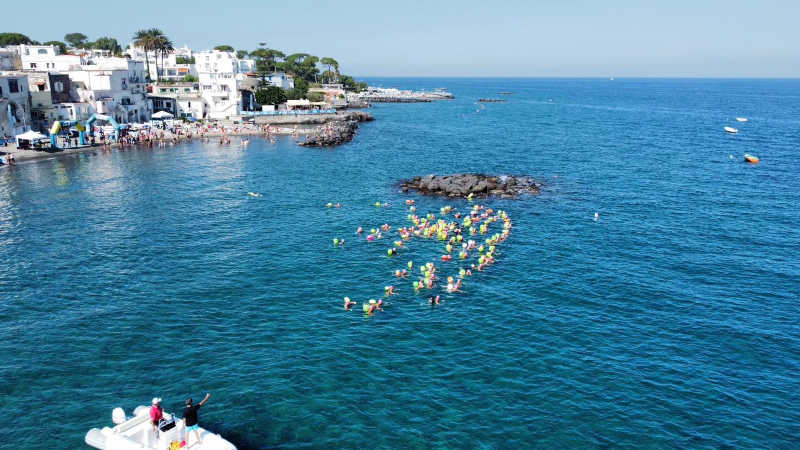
{"points": [[741, 119], [136, 432], [731, 130]]}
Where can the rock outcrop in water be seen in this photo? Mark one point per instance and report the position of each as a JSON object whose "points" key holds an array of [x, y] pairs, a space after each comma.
{"points": [[479, 185], [337, 132]]}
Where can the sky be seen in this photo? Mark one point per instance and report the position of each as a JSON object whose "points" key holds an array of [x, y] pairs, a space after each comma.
{"points": [[544, 38]]}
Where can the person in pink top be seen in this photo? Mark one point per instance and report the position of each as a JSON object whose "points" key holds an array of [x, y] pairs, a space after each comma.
{"points": [[156, 413]]}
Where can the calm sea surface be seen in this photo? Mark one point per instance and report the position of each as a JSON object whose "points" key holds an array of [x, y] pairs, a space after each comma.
{"points": [[672, 321]]}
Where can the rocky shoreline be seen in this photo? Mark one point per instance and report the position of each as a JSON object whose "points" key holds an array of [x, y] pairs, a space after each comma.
{"points": [[475, 184], [337, 132]]}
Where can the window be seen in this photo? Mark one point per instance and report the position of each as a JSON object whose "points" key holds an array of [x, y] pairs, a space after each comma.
{"points": [[33, 65], [190, 104], [59, 86], [13, 87], [42, 51]]}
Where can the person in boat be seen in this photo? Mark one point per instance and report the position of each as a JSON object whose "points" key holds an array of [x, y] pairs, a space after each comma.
{"points": [[156, 413], [190, 418]]}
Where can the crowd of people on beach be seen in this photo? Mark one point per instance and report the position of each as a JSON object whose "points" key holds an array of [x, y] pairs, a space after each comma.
{"points": [[163, 135], [458, 233]]}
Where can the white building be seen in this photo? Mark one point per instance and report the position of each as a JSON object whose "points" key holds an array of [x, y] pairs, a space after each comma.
{"points": [[179, 99], [53, 98], [15, 109], [47, 57], [114, 86], [168, 67], [221, 76], [281, 80]]}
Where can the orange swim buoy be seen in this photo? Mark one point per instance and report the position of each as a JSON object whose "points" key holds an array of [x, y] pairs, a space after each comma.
{"points": [[750, 158]]}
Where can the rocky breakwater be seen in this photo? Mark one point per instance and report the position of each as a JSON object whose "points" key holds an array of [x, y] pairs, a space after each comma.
{"points": [[337, 132], [478, 185]]}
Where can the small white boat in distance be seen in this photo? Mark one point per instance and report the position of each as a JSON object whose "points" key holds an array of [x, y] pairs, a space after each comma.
{"points": [[137, 433], [741, 119], [731, 130]]}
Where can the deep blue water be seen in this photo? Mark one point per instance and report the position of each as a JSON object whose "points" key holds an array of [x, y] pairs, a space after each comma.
{"points": [[672, 321]]}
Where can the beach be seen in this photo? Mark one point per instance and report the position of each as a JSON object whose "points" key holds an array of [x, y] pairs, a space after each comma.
{"points": [[298, 125]]}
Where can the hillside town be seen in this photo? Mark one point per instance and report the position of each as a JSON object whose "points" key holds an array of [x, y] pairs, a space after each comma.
{"points": [[41, 84]]}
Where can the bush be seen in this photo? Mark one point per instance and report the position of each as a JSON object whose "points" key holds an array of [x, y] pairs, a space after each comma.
{"points": [[315, 97], [271, 95], [190, 79]]}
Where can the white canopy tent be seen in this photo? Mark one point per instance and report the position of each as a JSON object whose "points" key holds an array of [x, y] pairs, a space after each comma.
{"points": [[31, 136], [161, 115]]}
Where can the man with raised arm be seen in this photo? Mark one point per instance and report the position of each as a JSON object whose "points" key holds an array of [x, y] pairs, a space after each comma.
{"points": [[190, 418]]}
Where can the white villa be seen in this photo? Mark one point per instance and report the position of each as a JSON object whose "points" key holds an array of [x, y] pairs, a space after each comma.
{"points": [[222, 75], [182, 99], [281, 80], [114, 86]]}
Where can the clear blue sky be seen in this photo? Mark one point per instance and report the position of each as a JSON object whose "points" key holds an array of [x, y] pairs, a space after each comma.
{"points": [[680, 38]]}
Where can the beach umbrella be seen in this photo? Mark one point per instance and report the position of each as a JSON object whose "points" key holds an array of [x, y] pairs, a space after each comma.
{"points": [[162, 115]]}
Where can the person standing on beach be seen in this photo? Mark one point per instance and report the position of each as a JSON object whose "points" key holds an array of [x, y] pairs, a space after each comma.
{"points": [[190, 418]]}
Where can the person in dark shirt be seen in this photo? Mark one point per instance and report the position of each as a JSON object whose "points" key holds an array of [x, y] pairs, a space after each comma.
{"points": [[190, 418]]}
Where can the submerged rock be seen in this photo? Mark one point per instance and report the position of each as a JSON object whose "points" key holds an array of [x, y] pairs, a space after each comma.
{"points": [[479, 185]]}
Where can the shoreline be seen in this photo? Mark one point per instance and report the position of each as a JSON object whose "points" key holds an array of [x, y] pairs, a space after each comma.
{"points": [[302, 125]]}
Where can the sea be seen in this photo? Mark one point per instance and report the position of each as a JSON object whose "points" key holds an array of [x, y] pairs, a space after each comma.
{"points": [[669, 321]]}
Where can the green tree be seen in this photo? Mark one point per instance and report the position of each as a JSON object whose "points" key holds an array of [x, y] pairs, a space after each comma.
{"points": [[271, 95], [315, 96], [299, 91], [76, 40], [333, 67], [241, 54], [302, 65], [184, 60], [62, 47], [107, 43], [145, 40], [351, 84], [266, 61], [224, 48], [150, 40], [163, 46], [14, 39], [190, 79]]}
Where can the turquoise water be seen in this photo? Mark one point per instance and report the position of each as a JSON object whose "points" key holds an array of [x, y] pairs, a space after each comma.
{"points": [[672, 321]]}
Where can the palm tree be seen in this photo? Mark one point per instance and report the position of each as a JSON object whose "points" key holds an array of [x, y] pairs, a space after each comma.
{"points": [[149, 40], [144, 39], [163, 45]]}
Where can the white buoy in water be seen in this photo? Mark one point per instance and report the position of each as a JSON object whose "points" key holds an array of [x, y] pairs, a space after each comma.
{"points": [[596, 216]]}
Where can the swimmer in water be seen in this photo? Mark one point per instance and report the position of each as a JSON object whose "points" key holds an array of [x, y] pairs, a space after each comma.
{"points": [[433, 300], [348, 303]]}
